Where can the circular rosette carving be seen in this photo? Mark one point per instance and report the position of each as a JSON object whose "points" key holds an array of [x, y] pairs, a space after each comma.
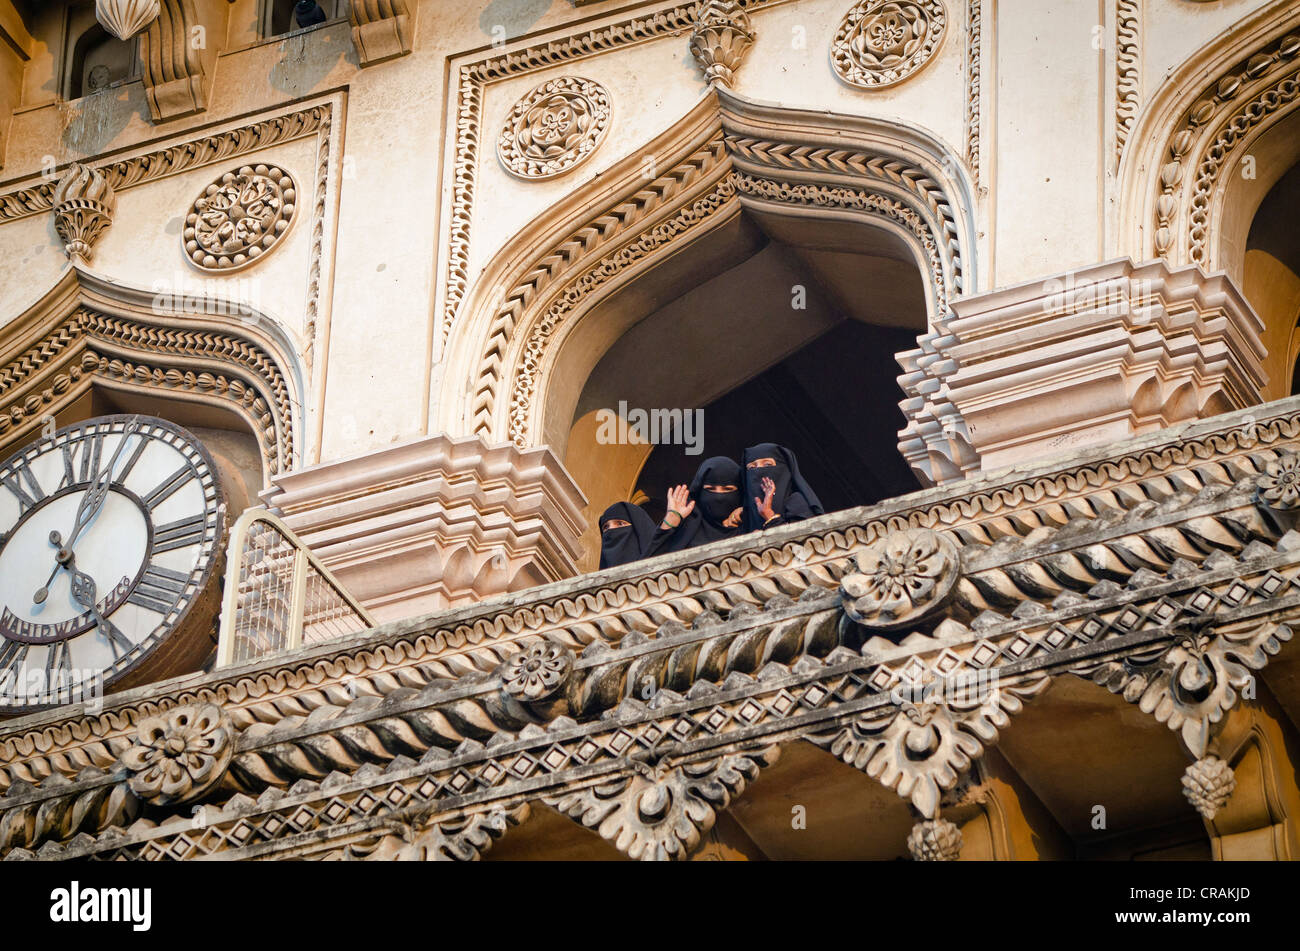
{"points": [[180, 754], [1279, 484], [239, 217], [536, 672], [881, 43], [900, 579], [554, 128]]}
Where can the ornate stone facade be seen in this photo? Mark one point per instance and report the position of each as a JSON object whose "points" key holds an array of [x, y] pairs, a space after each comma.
{"points": [[1100, 570]]}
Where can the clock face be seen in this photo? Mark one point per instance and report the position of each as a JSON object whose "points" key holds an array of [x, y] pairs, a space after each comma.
{"points": [[110, 531]]}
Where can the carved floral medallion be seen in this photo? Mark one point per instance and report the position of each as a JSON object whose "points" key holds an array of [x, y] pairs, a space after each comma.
{"points": [[178, 755], [881, 43], [554, 128], [536, 672], [239, 217], [900, 579]]}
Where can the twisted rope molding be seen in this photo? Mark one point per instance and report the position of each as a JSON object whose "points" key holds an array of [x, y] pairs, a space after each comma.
{"points": [[1128, 66]]}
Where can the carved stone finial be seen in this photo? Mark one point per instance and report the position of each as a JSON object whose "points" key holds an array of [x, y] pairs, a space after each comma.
{"points": [[125, 18], [83, 209], [536, 672], [934, 840], [1207, 784], [180, 754], [900, 578], [722, 36]]}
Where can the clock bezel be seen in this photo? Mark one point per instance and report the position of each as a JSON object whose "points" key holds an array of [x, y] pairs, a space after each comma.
{"points": [[181, 646]]}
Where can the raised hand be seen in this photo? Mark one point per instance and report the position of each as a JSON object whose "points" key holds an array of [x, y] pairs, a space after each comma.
{"points": [[733, 520], [679, 502], [765, 503]]}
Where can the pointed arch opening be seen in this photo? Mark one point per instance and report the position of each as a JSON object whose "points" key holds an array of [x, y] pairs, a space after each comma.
{"points": [[745, 237]]}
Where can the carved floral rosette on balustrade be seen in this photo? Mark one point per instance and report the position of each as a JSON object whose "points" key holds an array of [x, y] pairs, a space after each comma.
{"points": [[644, 701]]}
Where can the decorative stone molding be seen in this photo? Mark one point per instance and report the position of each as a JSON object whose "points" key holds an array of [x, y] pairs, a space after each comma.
{"points": [[84, 205], [974, 72], [466, 104], [1190, 684], [351, 747], [89, 331], [727, 155], [436, 522], [239, 217], [921, 747], [900, 579], [452, 839], [661, 812], [382, 29], [554, 128], [1182, 147], [1279, 485], [722, 35], [125, 18], [882, 42], [1153, 481], [1091, 356], [1128, 68], [934, 840], [175, 80], [180, 754], [536, 672], [1208, 784], [315, 120]]}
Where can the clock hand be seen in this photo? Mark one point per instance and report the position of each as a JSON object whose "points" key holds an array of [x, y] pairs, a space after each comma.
{"points": [[64, 557], [83, 592], [94, 498], [91, 502]]}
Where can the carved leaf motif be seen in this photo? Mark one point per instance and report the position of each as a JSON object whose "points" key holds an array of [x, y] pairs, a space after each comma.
{"points": [[658, 814], [1190, 684], [919, 749]]}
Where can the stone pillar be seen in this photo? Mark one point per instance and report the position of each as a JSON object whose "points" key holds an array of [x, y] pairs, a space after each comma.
{"points": [[436, 522], [1084, 357]]}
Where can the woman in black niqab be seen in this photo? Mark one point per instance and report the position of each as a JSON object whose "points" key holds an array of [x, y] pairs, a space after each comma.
{"points": [[776, 493], [715, 510], [625, 533]]}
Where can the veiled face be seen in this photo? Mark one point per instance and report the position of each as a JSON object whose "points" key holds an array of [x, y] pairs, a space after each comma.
{"points": [[722, 489], [614, 523], [766, 462]]}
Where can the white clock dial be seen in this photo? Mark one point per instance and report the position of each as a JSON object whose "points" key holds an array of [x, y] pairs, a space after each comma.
{"points": [[110, 531]]}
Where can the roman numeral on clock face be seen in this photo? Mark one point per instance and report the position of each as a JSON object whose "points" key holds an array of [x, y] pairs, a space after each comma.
{"points": [[168, 488], [180, 534], [25, 488], [58, 666], [120, 643], [13, 655], [159, 589]]}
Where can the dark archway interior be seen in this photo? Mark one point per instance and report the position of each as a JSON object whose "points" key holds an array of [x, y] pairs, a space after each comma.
{"points": [[1273, 231], [834, 402], [793, 341]]}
